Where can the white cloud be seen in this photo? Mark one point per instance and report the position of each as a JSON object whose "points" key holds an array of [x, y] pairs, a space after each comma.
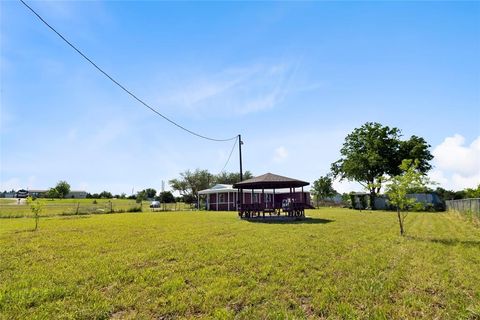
{"points": [[16, 183], [233, 91], [452, 155], [457, 166], [281, 153], [12, 183]]}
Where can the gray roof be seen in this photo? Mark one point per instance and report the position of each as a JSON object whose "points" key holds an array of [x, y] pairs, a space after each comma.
{"points": [[270, 181]]}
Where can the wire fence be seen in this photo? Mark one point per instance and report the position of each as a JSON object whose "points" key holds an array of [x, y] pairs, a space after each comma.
{"points": [[60, 208], [467, 207]]}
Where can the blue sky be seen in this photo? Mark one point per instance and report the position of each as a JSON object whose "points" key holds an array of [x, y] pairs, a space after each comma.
{"points": [[293, 78]]}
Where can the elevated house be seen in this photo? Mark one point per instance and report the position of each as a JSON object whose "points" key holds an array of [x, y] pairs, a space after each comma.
{"points": [[266, 193]]}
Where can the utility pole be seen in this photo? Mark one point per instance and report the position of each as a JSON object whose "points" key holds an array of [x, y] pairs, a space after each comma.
{"points": [[240, 142], [240, 191]]}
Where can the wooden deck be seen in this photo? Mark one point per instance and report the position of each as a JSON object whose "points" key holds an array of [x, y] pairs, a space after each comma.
{"points": [[293, 210]]}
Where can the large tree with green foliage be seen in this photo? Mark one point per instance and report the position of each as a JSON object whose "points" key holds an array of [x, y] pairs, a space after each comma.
{"points": [[374, 151], [472, 193], [52, 193], [166, 197], [322, 189], [150, 192], [190, 183], [63, 188], [398, 187]]}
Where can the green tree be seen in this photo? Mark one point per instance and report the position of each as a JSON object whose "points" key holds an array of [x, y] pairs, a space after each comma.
{"points": [[166, 197], [373, 151], [105, 195], [151, 193], [190, 183], [141, 196], [445, 194], [473, 193], [52, 193], [398, 186], [36, 207], [63, 188], [231, 177], [322, 189], [415, 148]]}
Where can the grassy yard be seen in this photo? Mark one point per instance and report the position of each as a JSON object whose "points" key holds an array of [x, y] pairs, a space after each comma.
{"points": [[339, 264]]}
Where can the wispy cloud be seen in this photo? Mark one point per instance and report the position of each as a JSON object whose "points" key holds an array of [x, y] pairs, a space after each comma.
{"points": [[233, 91], [281, 153]]}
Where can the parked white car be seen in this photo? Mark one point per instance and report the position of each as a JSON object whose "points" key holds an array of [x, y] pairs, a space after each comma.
{"points": [[155, 204]]}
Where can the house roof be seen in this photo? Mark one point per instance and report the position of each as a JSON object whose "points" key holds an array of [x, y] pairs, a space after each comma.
{"points": [[270, 181], [222, 188], [218, 188]]}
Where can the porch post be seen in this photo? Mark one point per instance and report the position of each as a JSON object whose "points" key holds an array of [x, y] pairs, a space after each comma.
{"points": [[228, 200], [216, 201], [263, 196], [273, 198]]}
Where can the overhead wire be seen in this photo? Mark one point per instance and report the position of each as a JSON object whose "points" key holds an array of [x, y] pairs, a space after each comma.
{"points": [[230, 155], [119, 84]]}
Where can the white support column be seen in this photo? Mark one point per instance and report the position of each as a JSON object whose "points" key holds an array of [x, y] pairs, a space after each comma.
{"points": [[217, 201], [228, 200]]}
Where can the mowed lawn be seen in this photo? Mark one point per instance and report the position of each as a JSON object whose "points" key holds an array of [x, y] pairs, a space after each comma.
{"points": [[339, 264]]}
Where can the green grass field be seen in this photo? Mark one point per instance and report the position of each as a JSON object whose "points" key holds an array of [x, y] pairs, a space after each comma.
{"points": [[340, 264]]}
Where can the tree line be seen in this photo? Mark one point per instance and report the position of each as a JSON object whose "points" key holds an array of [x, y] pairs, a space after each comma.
{"points": [[191, 182]]}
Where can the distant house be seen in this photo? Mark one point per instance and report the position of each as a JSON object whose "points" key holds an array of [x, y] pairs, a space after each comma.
{"points": [[36, 193], [77, 194], [430, 201], [39, 193]]}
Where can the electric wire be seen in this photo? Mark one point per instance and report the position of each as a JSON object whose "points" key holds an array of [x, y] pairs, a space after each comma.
{"points": [[230, 155], [120, 85]]}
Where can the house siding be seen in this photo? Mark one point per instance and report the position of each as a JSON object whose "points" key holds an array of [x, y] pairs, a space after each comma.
{"points": [[223, 203]]}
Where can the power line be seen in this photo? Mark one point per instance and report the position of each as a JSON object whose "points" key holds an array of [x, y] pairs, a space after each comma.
{"points": [[118, 84], [230, 155]]}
